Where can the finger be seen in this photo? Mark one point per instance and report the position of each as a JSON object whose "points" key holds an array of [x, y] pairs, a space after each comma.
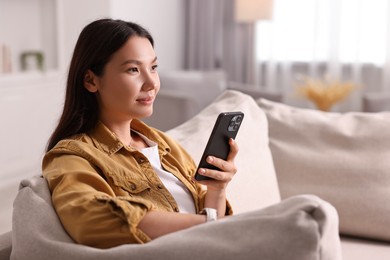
{"points": [[221, 164], [215, 175], [233, 150]]}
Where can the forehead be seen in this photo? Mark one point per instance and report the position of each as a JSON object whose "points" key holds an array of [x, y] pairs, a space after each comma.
{"points": [[136, 48]]}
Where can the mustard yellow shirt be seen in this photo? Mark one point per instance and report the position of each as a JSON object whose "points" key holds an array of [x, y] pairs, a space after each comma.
{"points": [[101, 188]]}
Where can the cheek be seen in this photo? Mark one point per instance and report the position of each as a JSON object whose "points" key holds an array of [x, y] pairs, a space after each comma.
{"points": [[119, 91]]}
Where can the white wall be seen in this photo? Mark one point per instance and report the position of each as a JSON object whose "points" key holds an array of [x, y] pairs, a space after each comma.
{"points": [[74, 15], [165, 21]]}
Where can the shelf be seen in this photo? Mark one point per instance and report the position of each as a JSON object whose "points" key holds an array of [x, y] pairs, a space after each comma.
{"points": [[23, 79], [29, 25]]}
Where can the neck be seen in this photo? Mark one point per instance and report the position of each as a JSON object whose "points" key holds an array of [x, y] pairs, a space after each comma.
{"points": [[121, 129]]}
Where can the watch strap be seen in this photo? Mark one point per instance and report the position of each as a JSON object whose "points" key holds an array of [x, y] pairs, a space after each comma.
{"points": [[210, 213]]}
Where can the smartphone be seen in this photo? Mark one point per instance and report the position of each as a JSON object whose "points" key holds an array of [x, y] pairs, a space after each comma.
{"points": [[226, 127]]}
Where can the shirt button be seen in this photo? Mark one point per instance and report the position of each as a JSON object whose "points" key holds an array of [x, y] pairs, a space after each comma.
{"points": [[140, 160], [133, 186], [160, 186]]}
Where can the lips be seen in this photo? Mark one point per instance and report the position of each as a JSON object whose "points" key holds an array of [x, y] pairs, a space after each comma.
{"points": [[145, 100]]}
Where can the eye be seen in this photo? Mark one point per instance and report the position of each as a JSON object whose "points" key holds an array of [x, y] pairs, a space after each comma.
{"points": [[133, 69], [154, 67]]}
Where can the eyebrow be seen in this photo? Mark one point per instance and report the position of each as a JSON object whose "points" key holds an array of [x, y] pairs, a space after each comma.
{"points": [[137, 62]]}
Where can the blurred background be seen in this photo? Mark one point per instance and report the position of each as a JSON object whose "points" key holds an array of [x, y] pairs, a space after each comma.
{"points": [[273, 48]]}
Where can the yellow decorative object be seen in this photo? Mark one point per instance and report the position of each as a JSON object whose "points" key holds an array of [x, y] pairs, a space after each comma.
{"points": [[325, 93]]}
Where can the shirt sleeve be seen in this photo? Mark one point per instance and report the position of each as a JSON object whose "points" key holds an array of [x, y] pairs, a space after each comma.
{"points": [[87, 206]]}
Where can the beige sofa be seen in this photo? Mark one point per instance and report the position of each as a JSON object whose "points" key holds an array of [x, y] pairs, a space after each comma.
{"points": [[343, 158], [348, 153]]}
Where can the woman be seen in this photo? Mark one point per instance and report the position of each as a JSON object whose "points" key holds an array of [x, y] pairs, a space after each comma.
{"points": [[113, 179]]}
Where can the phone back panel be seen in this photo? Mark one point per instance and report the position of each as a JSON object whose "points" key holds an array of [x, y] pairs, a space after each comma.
{"points": [[226, 127]]}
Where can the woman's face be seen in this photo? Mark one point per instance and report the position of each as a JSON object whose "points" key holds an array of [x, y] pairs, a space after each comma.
{"points": [[130, 82]]}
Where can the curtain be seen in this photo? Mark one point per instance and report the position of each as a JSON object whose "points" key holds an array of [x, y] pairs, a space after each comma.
{"points": [[345, 40], [215, 41]]}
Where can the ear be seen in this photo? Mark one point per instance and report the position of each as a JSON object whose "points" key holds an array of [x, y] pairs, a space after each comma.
{"points": [[90, 81]]}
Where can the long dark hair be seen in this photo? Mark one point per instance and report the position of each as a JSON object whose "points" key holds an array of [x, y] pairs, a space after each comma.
{"points": [[95, 46]]}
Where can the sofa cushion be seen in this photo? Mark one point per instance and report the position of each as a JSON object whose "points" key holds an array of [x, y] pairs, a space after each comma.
{"points": [[256, 173], [343, 158], [308, 221]]}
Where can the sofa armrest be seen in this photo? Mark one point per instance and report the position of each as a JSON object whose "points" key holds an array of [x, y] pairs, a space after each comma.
{"points": [[376, 102], [5, 245]]}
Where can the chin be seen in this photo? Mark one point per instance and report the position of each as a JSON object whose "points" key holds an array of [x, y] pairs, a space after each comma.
{"points": [[146, 115]]}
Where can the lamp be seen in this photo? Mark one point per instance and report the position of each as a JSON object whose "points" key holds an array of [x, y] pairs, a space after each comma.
{"points": [[248, 12], [253, 10]]}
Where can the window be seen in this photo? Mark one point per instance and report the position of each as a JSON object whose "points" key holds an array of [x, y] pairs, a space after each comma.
{"points": [[345, 31]]}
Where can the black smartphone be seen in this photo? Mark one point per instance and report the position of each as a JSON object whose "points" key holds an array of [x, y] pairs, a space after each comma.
{"points": [[226, 127]]}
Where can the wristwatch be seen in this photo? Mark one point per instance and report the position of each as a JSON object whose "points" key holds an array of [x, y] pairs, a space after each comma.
{"points": [[210, 213]]}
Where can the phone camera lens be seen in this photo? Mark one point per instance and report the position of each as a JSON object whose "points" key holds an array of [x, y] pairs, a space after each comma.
{"points": [[235, 123], [237, 119]]}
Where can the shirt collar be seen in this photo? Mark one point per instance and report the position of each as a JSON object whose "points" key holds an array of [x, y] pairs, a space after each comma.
{"points": [[108, 142]]}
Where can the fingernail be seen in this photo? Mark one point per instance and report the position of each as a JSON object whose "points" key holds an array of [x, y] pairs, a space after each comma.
{"points": [[201, 171], [210, 159]]}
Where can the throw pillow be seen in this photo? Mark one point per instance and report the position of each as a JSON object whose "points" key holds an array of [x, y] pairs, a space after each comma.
{"points": [[254, 186], [343, 158]]}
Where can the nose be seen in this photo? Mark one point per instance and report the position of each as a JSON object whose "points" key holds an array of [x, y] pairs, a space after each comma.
{"points": [[151, 82]]}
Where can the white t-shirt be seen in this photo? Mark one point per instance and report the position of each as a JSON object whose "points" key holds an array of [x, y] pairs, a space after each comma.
{"points": [[179, 191]]}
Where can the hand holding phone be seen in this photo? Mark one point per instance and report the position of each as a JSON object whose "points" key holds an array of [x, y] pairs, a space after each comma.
{"points": [[226, 127]]}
